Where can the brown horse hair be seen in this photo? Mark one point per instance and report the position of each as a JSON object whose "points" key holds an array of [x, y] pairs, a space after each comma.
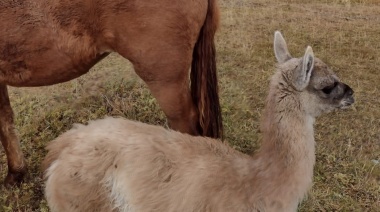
{"points": [[204, 81]]}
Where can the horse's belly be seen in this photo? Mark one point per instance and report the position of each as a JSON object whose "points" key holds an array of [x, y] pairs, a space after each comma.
{"points": [[40, 71], [26, 76], [36, 51]]}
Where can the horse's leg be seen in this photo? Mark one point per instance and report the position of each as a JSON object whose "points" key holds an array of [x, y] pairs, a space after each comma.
{"points": [[167, 76], [175, 100], [160, 47], [8, 137]]}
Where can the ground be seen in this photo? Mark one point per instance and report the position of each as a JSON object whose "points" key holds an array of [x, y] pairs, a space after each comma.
{"points": [[343, 33]]}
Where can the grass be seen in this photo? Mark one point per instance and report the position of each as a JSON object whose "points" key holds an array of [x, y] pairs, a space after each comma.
{"points": [[343, 33]]}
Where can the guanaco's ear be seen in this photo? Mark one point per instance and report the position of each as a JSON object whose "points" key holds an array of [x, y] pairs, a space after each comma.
{"points": [[302, 75], [280, 48]]}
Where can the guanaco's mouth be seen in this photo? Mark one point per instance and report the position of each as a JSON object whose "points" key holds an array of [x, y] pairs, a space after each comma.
{"points": [[346, 102]]}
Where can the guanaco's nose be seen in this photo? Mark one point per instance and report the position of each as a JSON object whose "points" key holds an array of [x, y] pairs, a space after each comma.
{"points": [[348, 90]]}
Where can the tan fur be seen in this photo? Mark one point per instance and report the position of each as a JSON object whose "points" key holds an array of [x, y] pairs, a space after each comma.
{"points": [[119, 165], [44, 42]]}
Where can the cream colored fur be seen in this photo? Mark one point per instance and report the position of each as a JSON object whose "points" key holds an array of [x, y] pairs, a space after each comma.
{"points": [[119, 165]]}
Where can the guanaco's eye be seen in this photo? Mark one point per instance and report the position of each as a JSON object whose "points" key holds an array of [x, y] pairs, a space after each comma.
{"points": [[328, 89]]}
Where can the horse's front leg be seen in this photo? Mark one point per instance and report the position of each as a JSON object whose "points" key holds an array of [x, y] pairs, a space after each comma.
{"points": [[10, 141]]}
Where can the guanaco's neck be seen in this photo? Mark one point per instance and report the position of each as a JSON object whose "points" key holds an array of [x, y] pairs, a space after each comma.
{"points": [[287, 130], [287, 154], [290, 136]]}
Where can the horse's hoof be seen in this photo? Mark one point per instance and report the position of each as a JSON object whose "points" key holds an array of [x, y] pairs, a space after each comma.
{"points": [[15, 178]]}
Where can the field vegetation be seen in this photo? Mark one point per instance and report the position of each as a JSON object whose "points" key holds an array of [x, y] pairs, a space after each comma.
{"points": [[343, 33]]}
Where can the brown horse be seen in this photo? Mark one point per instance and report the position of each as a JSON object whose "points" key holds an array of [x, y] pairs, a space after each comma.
{"points": [[44, 42]]}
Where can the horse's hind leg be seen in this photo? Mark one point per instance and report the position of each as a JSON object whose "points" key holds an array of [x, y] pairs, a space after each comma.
{"points": [[8, 137], [175, 100], [167, 76]]}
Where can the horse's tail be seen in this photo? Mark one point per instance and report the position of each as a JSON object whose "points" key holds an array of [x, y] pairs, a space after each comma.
{"points": [[204, 82]]}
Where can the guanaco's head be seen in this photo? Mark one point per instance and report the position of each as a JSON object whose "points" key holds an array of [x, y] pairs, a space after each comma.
{"points": [[320, 90]]}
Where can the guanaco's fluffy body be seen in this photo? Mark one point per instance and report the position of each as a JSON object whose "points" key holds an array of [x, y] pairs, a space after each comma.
{"points": [[115, 164]]}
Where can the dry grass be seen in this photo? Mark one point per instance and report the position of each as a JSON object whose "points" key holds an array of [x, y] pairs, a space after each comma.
{"points": [[343, 33]]}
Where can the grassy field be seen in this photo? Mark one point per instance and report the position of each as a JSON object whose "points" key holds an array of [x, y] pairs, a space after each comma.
{"points": [[343, 33]]}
